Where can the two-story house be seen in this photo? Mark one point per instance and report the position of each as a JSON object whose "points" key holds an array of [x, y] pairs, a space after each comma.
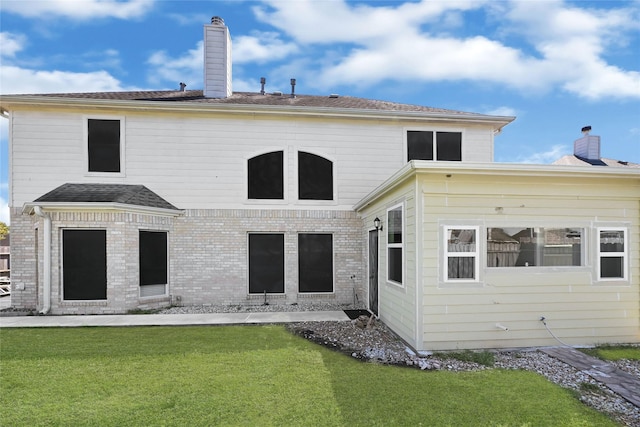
{"points": [[146, 199]]}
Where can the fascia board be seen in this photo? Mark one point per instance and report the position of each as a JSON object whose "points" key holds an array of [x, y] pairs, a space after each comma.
{"points": [[418, 167], [28, 208], [172, 106]]}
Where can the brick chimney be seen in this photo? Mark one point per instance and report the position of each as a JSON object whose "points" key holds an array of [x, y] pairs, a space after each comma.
{"points": [[217, 59], [587, 147]]}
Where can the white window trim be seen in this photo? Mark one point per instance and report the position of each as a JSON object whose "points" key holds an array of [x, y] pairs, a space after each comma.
{"points": [[396, 245], [475, 254], [435, 130], [624, 254], [85, 142], [166, 285], [285, 177], [334, 163]]}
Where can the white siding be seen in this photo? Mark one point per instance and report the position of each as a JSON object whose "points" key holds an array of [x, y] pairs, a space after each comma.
{"points": [[578, 308], [198, 161]]}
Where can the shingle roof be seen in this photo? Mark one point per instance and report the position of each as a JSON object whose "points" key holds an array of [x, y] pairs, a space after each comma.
{"points": [[254, 98], [137, 195], [571, 160]]}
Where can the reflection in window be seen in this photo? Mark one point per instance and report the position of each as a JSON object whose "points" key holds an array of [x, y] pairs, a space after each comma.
{"points": [[461, 253], [612, 253], [534, 246], [266, 176]]}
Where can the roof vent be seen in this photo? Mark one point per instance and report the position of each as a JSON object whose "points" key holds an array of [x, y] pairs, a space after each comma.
{"points": [[216, 20], [182, 86], [334, 95], [263, 81], [277, 93], [293, 88]]}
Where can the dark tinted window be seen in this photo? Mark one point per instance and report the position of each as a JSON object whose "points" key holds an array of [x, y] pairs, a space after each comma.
{"points": [[419, 145], [266, 177], [266, 263], [315, 262], [153, 258], [84, 264], [315, 177], [449, 146], [104, 145]]}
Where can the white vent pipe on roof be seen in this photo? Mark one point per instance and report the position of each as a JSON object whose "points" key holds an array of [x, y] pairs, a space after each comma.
{"points": [[47, 260]]}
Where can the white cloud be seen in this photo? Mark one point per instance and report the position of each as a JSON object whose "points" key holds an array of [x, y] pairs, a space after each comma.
{"points": [[556, 45], [10, 44], [15, 80], [187, 68], [73, 9], [502, 111], [261, 47], [549, 156]]}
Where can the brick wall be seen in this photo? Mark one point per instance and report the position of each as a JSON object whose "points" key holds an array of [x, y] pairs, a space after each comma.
{"points": [[207, 257]]}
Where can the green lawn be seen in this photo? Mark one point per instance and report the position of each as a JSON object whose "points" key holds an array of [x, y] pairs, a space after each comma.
{"points": [[251, 376], [614, 352]]}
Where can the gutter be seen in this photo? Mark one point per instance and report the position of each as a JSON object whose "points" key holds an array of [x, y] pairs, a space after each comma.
{"points": [[495, 169], [253, 109], [47, 259]]}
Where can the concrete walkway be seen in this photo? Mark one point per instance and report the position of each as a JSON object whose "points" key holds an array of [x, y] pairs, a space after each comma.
{"points": [[620, 382], [171, 319]]}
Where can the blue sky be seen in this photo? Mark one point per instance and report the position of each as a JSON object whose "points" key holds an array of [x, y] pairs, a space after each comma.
{"points": [[556, 65]]}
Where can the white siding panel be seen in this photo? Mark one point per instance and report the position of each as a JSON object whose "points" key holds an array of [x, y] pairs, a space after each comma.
{"points": [[578, 308]]}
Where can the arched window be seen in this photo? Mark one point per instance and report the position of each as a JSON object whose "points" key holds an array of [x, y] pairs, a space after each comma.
{"points": [[315, 177], [266, 177]]}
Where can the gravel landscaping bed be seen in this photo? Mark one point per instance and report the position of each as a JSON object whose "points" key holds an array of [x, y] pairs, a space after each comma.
{"points": [[374, 342]]}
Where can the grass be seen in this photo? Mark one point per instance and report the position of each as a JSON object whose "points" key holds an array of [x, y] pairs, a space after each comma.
{"points": [[614, 352], [254, 376]]}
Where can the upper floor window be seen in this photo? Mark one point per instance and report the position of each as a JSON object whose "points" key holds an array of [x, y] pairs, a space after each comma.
{"points": [[395, 245], [535, 247], [429, 145], [315, 177], [266, 176], [612, 253], [104, 145]]}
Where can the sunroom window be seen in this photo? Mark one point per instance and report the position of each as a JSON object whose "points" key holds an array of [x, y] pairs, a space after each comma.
{"points": [[395, 248], [535, 246], [461, 253], [612, 254]]}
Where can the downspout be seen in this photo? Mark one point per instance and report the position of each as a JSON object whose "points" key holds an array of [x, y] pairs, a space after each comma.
{"points": [[47, 259]]}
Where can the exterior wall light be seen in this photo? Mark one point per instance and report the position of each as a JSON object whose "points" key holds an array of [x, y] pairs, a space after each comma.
{"points": [[377, 224]]}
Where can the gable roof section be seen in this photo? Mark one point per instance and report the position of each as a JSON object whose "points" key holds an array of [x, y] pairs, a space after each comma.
{"points": [[137, 195]]}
